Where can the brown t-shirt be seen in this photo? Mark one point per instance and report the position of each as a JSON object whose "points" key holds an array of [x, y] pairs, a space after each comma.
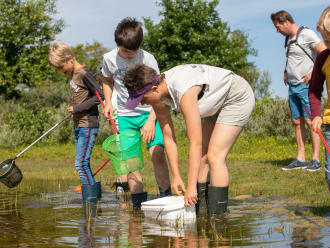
{"points": [[82, 87]]}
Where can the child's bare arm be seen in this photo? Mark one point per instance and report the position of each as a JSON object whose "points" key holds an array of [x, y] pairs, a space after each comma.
{"points": [[165, 122], [148, 129], [107, 83], [189, 108]]}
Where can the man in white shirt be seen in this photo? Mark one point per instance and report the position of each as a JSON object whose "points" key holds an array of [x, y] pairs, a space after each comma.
{"points": [[302, 46]]}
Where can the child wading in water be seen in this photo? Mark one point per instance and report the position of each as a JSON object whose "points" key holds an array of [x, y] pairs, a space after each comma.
{"points": [[129, 37], [216, 105], [83, 107], [321, 72]]}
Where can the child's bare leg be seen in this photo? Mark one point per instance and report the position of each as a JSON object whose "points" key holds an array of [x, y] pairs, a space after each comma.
{"points": [[207, 128], [122, 183], [203, 179], [160, 167], [123, 178], [135, 182], [222, 139]]}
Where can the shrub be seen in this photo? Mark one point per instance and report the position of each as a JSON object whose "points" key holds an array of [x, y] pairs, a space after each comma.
{"points": [[271, 117]]}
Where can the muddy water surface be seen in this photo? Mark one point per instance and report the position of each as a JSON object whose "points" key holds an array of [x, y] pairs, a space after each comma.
{"points": [[57, 220]]}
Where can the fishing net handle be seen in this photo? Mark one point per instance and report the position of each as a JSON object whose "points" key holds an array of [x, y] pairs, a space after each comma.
{"points": [[34, 142], [108, 115]]}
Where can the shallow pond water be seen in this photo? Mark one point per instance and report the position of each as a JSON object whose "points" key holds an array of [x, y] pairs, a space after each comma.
{"points": [[56, 220]]}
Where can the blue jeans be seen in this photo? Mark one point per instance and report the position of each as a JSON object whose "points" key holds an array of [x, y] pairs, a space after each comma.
{"points": [[298, 99], [327, 155], [84, 138]]}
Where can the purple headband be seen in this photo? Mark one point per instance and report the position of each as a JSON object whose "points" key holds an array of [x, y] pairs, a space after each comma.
{"points": [[135, 96]]}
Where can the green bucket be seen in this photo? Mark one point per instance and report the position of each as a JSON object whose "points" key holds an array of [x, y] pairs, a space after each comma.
{"points": [[124, 150]]}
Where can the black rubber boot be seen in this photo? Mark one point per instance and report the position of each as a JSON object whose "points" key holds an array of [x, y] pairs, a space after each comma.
{"points": [[98, 190], [202, 189], [137, 199], [90, 197], [217, 200], [165, 193], [125, 186], [89, 192]]}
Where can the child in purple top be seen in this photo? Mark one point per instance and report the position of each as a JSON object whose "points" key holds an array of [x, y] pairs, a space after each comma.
{"points": [[321, 72]]}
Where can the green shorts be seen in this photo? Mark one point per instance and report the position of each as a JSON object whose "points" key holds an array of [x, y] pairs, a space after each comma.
{"points": [[127, 123]]}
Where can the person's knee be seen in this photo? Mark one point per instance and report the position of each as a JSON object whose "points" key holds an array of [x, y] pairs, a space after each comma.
{"points": [[135, 182], [215, 158], [308, 122], [157, 154], [297, 122]]}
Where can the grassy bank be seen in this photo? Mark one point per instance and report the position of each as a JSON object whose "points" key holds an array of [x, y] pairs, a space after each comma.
{"points": [[254, 164]]}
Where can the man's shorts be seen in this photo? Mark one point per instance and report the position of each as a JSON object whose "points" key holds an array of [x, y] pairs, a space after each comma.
{"points": [[128, 123], [298, 99], [238, 105]]}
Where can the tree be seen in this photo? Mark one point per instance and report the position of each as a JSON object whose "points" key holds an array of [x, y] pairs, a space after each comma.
{"points": [[90, 54], [191, 31], [26, 30], [259, 81]]}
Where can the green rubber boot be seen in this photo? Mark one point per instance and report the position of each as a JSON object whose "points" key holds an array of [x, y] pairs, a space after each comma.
{"points": [[217, 200], [201, 205]]}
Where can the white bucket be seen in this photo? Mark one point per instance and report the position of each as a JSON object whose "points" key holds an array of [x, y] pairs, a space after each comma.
{"points": [[168, 208]]}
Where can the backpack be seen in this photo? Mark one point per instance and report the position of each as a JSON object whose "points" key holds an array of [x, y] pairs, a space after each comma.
{"points": [[287, 44]]}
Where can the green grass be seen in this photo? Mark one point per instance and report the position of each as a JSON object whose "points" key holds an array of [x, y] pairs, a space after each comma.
{"points": [[254, 165]]}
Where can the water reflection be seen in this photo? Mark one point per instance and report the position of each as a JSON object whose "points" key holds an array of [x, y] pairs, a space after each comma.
{"points": [[58, 220]]}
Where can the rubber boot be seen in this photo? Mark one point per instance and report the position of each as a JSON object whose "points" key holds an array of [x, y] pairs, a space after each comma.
{"points": [[90, 192], [137, 199], [125, 186], [89, 195], [120, 187], [165, 193], [202, 191], [217, 200], [98, 190]]}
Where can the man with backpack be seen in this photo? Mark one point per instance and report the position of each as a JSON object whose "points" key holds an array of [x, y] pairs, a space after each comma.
{"points": [[301, 46]]}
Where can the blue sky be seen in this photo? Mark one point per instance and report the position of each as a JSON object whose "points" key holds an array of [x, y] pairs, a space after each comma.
{"points": [[89, 21]]}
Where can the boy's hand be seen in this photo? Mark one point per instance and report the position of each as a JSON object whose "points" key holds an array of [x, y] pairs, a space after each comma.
{"points": [[177, 186], [108, 109], [285, 78], [70, 110], [190, 197], [316, 123], [148, 131]]}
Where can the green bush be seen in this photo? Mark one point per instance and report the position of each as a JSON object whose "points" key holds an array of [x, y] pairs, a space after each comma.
{"points": [[24, 120], [271, 117]]}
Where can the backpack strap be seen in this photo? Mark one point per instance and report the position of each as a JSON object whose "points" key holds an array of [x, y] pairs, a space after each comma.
{"points": [[301, 47], [288, 44]]}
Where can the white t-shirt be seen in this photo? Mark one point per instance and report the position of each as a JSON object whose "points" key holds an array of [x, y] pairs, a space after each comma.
{"points": [[298, 62], [181, 78], [115, 66]]}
